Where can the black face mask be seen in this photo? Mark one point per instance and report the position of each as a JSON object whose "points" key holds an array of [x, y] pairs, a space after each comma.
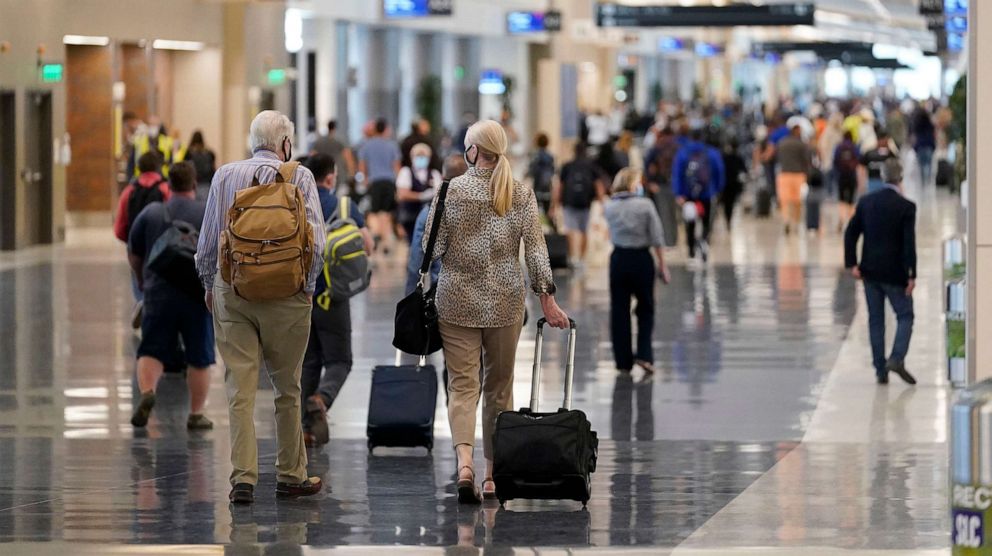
{"points": [[287, 148], [474, 160]]}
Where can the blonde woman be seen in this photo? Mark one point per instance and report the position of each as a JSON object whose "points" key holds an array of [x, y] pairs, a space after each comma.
{"points": [[635, 231], [481, 291]]}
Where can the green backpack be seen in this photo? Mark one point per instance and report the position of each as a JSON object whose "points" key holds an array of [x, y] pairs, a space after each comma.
{"points": [[346, 264]]}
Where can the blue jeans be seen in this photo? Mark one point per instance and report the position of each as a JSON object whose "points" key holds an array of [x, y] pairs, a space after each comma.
{"points": [[876, 293], [924, 155]]}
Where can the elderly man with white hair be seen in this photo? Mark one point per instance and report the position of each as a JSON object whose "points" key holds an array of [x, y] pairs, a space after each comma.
{"points": [[276, 329]]}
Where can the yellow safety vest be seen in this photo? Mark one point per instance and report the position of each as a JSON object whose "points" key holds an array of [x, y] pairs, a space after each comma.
{"points": [[143, 144]]}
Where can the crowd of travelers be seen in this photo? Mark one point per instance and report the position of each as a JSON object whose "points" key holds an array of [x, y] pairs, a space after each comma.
{"points": [[281, 305]]}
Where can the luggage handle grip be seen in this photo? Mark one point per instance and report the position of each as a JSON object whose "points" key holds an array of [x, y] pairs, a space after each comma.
{"points": [[422, 362], [535, 384]]}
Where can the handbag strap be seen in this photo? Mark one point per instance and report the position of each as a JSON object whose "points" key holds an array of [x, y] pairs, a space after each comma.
{"points": [[425, 265]]}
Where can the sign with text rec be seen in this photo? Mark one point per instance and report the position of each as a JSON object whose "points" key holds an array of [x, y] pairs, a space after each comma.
{"points": [[395, 9], [731, 15]]}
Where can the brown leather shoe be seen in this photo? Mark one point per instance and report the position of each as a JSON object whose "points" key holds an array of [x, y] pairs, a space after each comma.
{"points": [[317, 419], [308, 487]]}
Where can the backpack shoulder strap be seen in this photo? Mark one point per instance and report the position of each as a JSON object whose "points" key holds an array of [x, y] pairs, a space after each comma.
{"points": [[166, 214], [287, 170], [345, 211]]}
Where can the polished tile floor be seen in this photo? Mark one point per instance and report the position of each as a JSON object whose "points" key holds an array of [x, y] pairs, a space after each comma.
{"points": [[762, 433]]}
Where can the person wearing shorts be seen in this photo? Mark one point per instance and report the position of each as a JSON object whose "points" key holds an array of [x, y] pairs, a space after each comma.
{"points": [[171, 312], [580, 185], [379, 161], [795, 160]]}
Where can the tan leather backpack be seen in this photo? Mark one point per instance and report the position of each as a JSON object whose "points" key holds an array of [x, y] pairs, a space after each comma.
{"points": [[267, 249]]}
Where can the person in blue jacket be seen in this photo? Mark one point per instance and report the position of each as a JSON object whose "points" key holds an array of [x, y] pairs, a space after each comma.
{"points": [[698, 175]]}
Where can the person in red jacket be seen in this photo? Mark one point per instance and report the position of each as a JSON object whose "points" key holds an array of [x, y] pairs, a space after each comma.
{"points": [[147, 188]]}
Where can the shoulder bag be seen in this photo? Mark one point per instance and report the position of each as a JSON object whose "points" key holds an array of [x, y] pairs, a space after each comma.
{"points": [[416, 325]]}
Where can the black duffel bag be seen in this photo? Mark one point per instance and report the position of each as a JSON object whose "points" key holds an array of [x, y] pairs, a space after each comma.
{"points": [[172, 256], [415, 326], [545, 455]]}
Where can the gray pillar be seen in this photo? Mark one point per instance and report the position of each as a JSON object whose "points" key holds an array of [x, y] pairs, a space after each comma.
{"points": [[374, 56]]}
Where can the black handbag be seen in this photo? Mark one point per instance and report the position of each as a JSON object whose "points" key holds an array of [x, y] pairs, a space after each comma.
{"points": [[416, 328]]}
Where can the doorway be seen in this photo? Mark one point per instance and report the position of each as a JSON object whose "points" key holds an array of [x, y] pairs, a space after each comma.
{"points": [[8, 172], [37, 173]]}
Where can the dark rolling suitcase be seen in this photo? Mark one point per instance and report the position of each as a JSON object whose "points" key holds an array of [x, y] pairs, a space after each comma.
{"points": [[548, 456], [763, 202], [813, 204], [945, 173], [557, 250], [402, 402]]}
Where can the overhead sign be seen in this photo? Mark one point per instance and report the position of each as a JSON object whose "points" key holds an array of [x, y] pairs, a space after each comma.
{"points": [[397, 9], [670, 44], [733, 15], [552, 20], [931, 7], [524, 22], [935, 21], [518, 23]]}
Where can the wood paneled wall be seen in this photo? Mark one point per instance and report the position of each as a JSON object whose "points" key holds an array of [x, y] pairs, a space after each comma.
{"points": [[89, 121]]}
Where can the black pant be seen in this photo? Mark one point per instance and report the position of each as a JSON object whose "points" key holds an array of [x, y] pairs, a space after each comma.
{"points": [[632, 274], [690, 227], [729, 201], [328, 353]]}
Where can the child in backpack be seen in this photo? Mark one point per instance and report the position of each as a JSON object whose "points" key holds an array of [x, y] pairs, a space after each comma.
{"points": [[328, 359]]}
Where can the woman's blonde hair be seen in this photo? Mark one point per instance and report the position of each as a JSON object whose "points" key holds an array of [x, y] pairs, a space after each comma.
{"points": [[626, 180], [490, 138]]}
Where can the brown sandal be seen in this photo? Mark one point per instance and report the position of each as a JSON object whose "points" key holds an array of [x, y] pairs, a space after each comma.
{"points": [[646, 365], [488, 494], [468, 493]]}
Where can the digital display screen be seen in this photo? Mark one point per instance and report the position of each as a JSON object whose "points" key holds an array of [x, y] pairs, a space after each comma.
{"points": [[956, 24], [670, 44], [524, 22], [955, 42], [733, 15], [706, 50], [396, 9], [956, 7]]}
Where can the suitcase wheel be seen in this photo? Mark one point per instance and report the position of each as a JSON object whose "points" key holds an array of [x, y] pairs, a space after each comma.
{"points": [[371, 446]]}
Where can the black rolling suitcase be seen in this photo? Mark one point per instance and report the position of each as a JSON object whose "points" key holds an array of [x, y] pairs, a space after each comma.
{"points": [[401, 405], [548, 456], [763, 202]]}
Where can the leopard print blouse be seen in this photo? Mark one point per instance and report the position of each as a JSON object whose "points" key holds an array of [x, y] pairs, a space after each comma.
{"points": [[481, 284]]}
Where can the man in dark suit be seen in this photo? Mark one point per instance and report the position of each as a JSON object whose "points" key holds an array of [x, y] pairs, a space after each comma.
{"points": [[887, 220]]}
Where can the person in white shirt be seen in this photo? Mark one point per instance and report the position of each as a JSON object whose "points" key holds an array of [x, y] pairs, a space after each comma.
{"points": [[416, 185]]}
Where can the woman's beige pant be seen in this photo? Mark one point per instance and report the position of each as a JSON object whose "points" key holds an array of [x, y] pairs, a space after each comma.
{"points": [[465, 350]]}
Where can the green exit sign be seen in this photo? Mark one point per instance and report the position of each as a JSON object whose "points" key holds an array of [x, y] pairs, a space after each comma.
{"points": [[51, 73], [277, 76]]}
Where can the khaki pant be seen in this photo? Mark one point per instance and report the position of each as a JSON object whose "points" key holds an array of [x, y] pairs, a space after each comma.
{"points": [[464, 350], [247, 332]]}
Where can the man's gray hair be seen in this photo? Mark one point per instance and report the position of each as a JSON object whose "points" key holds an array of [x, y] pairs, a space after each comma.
{"points": [[268, 130], [892, 171]]}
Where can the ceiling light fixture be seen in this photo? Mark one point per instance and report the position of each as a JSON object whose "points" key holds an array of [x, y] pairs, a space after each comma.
{"points": [[85, 40], [163, 44]]}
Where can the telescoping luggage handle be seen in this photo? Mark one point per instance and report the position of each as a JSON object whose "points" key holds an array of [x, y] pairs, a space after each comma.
{"points": [[535, 381]]}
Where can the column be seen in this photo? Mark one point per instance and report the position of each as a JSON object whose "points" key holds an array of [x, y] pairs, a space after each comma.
{"points": [[235, 88], [979, 323]]}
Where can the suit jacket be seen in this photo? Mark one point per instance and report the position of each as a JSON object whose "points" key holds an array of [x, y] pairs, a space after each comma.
{"points": [[887, 220]]}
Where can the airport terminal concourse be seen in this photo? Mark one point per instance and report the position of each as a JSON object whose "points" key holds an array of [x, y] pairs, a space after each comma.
{"points": [[495, 277]]}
